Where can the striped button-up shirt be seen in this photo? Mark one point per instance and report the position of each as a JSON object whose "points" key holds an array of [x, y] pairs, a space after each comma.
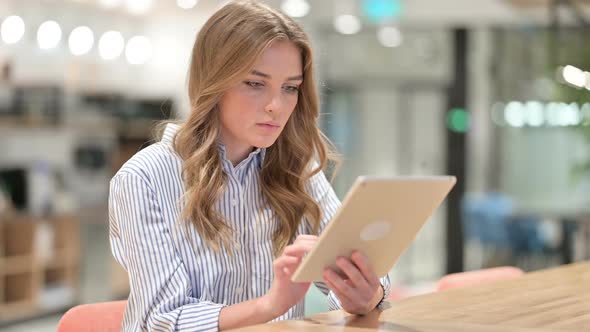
{"points": [[177, 282]]}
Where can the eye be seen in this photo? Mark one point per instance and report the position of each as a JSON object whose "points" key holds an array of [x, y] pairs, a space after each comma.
{"points": [[292, 89], [254, 84]]}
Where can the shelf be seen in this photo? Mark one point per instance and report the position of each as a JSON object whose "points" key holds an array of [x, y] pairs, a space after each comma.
{"points": [[66, 230], [17, 310], [63, 258], [16, 264], [31, 276], [19, 287], [17, 238]]}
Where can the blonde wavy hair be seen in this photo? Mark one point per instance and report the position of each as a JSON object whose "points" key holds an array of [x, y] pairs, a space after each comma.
{"points": [[225, 51]]}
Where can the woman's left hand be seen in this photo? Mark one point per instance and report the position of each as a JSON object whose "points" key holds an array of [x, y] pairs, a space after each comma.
{"points": [[359, 291]]}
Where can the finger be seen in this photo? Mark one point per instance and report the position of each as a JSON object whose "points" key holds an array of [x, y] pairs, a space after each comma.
{"points": [[353, 274], [336, 292], [285, 261], [348, 304], [297, 250], [343, 297], [340, 286], [306, 243], [285, 266], [365, 267]]}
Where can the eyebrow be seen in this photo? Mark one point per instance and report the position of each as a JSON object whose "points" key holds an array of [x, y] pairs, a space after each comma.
{"points": [[292, 78]]}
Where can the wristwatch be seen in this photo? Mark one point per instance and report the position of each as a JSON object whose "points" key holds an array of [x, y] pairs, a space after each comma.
{"points": [[381, 304]]}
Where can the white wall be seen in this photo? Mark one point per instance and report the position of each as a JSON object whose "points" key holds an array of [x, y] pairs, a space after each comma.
{"points": [[379, 141], [360, 58], [396, 131], [537, 168], [480, 138]]}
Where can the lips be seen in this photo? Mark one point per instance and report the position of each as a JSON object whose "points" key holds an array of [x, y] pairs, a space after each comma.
{"points": [[269, 124]]}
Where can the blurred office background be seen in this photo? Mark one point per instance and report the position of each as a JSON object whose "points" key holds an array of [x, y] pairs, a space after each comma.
{"points": [[495, 92]]}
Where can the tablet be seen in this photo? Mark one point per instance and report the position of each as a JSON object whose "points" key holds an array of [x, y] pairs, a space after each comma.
{"points": [[379, 217]]}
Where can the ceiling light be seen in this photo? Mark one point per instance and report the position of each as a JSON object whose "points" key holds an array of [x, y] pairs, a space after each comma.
{"points": [[139, 7], [12, 30], [111, 45], [138, 50], [295, 8], [186, 4], [347, 24], [81, 40], [389, 36], [48, 35]]}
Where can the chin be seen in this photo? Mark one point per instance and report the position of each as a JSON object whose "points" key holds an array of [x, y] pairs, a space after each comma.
{"points": [[264, 143]]}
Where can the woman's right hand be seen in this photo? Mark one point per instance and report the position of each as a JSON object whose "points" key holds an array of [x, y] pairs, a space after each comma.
{"points": [[284, 293]]}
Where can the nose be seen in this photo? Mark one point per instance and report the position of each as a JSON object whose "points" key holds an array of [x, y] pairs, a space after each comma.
{"points": [[274, 103]]}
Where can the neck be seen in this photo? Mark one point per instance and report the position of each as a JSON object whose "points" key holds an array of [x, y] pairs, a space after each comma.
{"points": [[235, 150], [237, 157], [236, 153]]}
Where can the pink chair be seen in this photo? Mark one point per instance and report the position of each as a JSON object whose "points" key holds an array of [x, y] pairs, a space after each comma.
{"points": [[95, 317], [398, 293], [471, 278]]}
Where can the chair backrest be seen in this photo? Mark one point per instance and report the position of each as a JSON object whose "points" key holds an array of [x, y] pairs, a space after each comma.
{"points": [[470, 278], [94, 317], [485, 217]]}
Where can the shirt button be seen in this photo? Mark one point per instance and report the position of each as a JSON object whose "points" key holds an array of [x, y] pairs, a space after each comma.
{"points": [[234, 202], [239, 290]]}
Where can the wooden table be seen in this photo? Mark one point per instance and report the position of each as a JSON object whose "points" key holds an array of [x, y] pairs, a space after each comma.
{"points": [[550, 300]]}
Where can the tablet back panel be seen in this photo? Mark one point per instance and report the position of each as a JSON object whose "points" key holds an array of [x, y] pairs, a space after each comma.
{"points": [[379, 217]]}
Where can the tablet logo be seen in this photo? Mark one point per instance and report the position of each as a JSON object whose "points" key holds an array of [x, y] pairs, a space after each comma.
{"points": [[375, 231]]}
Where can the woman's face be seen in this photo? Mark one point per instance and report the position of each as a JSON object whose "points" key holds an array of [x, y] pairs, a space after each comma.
{"points": [[254, 112]]}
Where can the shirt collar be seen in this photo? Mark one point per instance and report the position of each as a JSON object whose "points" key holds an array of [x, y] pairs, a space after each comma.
{"points": [[259, 153], [170, 132]]}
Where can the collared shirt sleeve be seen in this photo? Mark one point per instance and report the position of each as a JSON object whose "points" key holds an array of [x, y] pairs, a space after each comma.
{"points": [[324, 194], [161, 297]]}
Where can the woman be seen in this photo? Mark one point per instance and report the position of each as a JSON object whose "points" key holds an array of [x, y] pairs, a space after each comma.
{"points": [[212, 221]]}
